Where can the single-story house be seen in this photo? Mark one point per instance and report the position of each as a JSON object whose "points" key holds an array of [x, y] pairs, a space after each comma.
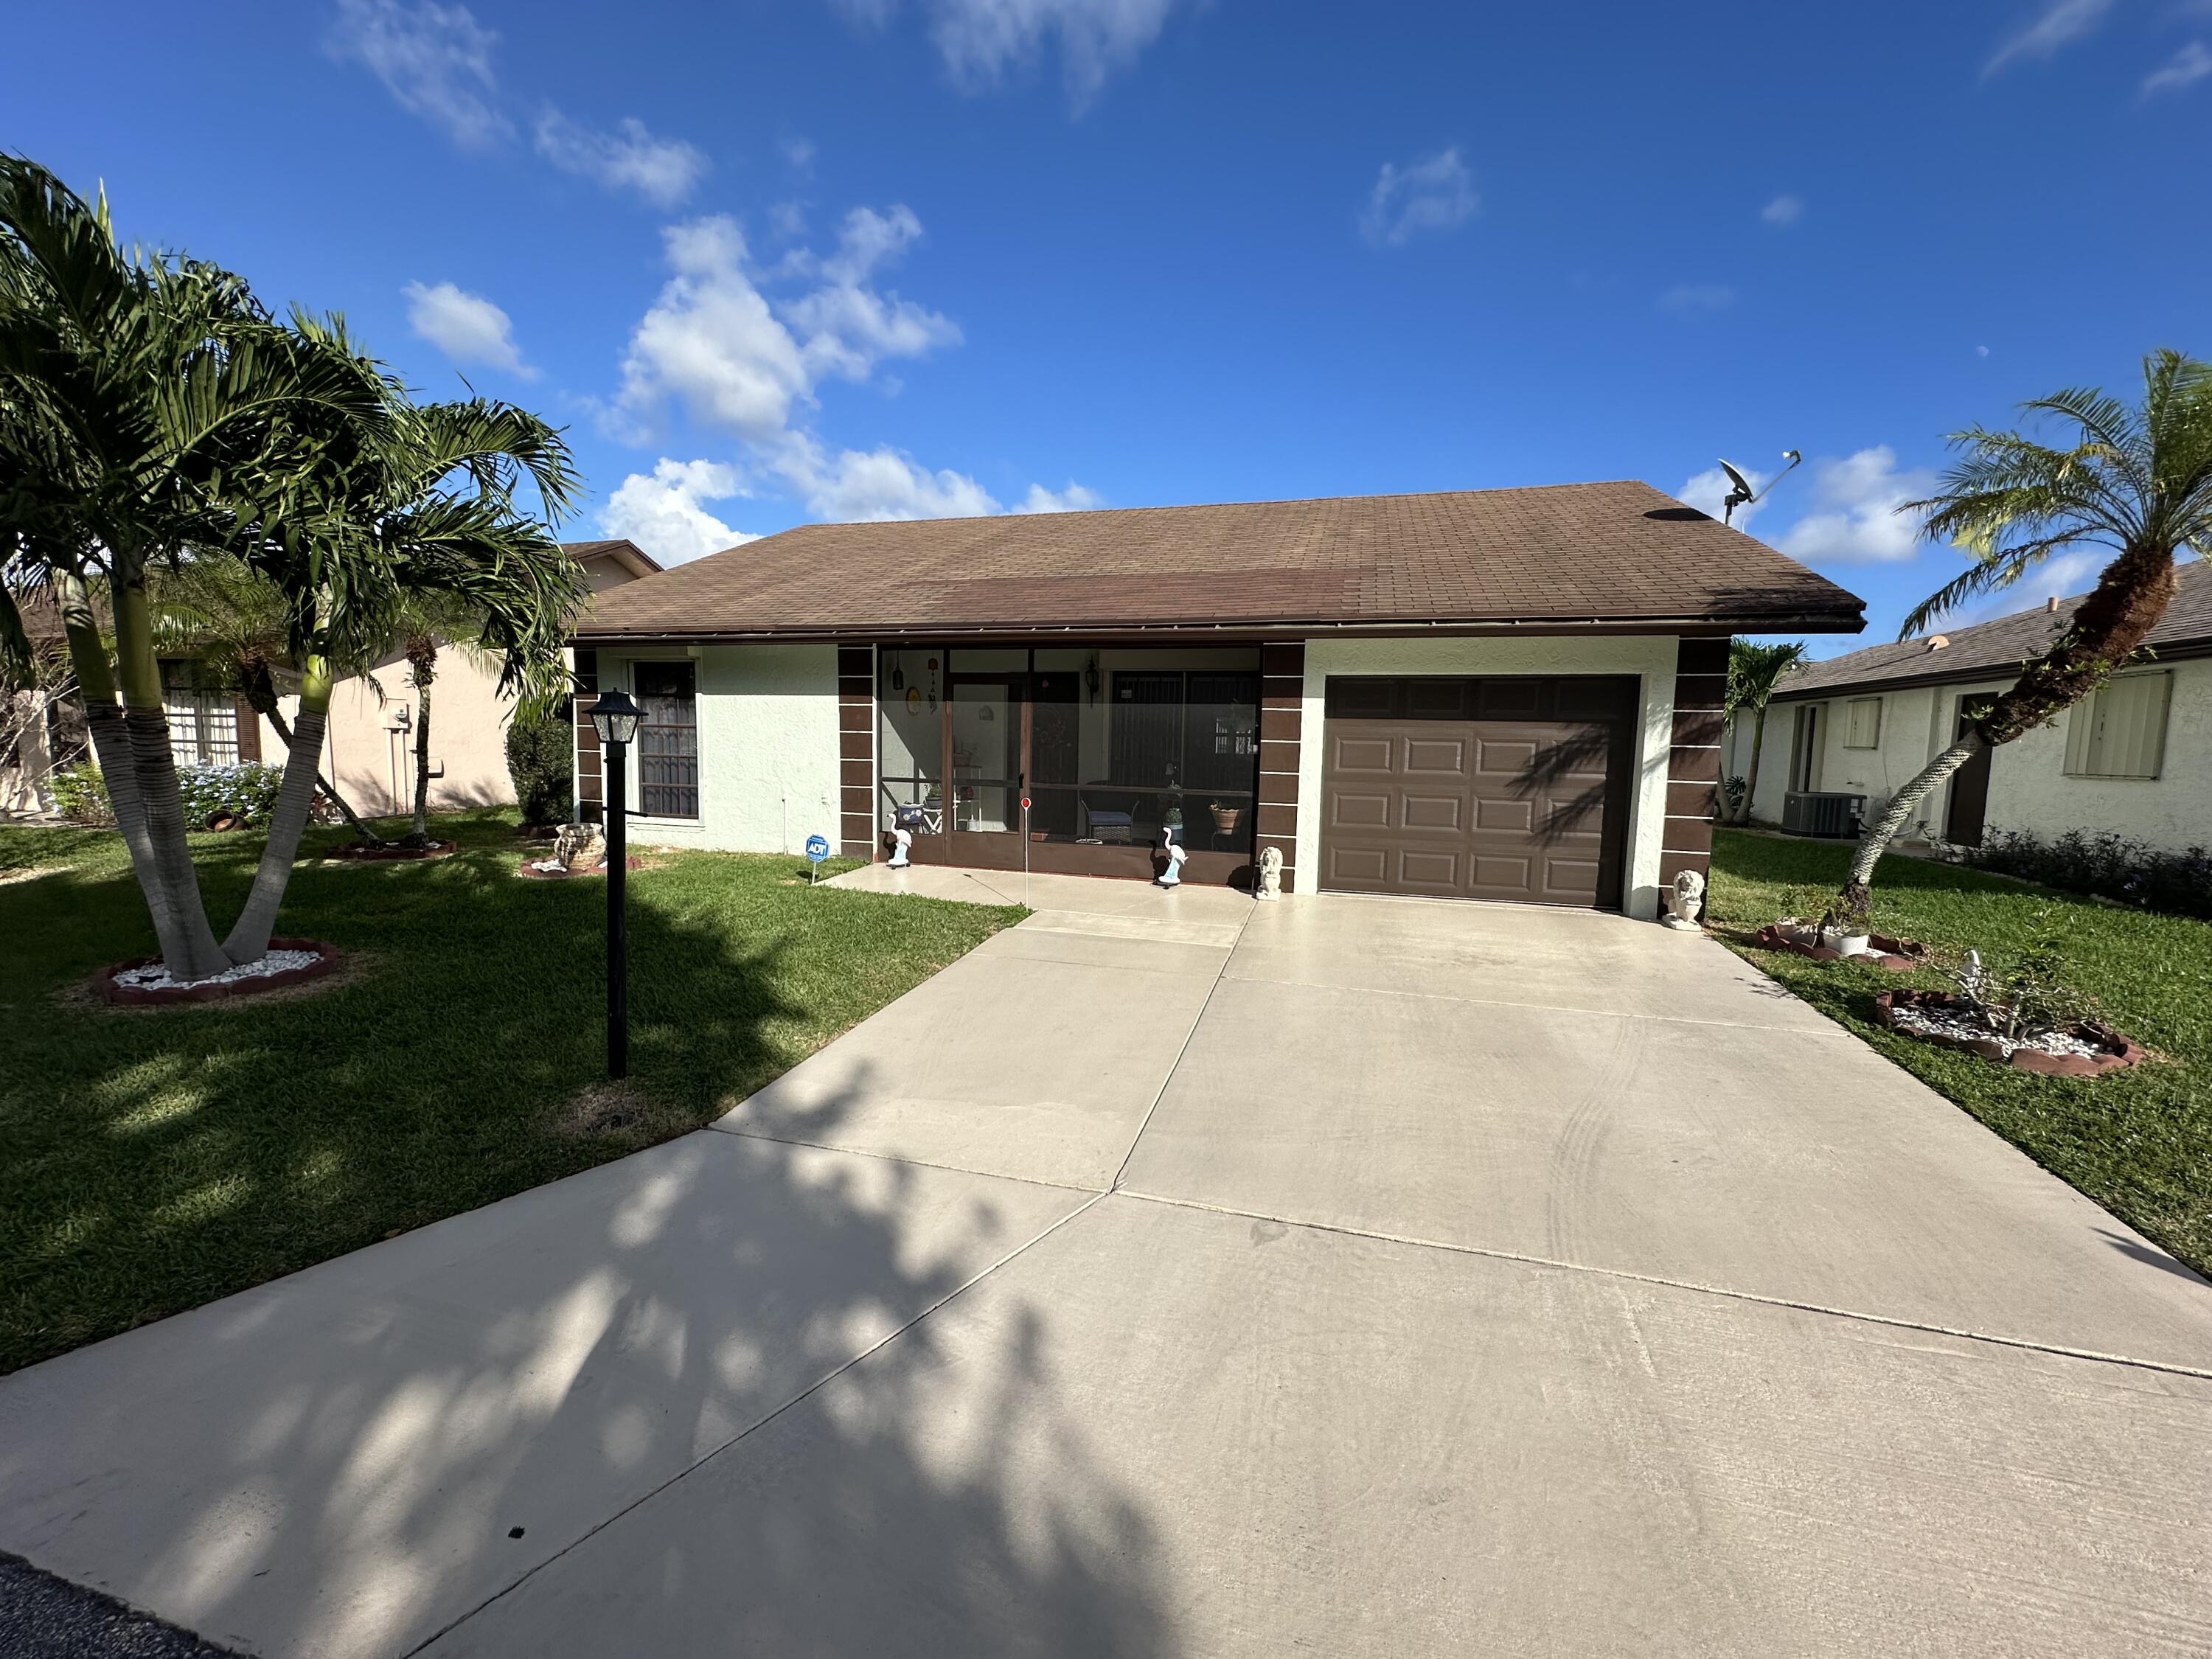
{"points": [[1506, 694], [368, 748], [2134, 758]]}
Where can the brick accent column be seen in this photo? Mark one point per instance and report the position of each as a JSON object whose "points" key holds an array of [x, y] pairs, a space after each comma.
{"points": [[1693, 771], [1282, 703], [856, 752], [249, 731], [588, 775], [591, 775]]}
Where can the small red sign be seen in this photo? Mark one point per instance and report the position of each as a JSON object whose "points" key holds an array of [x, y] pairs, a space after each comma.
{"points": [[1026, 803]]}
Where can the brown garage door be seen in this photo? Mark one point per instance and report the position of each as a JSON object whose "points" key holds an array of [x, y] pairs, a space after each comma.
{"points": [[1494, 788]]}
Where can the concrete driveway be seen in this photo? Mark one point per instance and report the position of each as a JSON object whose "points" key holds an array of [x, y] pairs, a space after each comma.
{"points": [[1179, 1276]]}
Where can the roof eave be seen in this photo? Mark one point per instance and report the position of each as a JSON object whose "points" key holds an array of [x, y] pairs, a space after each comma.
{"points": [[1819, 622], [2166, 651]]}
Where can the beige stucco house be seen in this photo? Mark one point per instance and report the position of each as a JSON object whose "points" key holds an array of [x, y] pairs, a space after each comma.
{"points": [[368, 751], [2135, 758]]}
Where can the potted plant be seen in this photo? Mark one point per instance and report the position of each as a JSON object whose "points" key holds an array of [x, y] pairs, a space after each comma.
{"points": [[1226, 818], [1849, 928], [1172, 822]]}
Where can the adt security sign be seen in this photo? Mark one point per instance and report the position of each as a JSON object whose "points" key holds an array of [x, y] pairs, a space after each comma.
{"points": [[818, 848]]}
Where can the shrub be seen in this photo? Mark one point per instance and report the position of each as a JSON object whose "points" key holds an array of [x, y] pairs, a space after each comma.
{"points": [[1732, 794], [80, 794], [2107, 865], [248, 788], [540, 760]]}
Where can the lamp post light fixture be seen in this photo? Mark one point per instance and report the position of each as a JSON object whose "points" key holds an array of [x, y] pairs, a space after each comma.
{"points": [[616, 719]]}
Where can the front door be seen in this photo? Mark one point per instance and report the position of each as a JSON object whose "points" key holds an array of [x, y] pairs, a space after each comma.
{"points": [[985, 741], [1963, 820]]}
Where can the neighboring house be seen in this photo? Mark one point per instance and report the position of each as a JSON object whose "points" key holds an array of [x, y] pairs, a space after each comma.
{"points": [[2134, 758], [368, 749], [1507, 694]]}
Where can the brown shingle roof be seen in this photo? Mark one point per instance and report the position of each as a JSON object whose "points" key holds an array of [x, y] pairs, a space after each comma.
{"points": [[1993, 648], [1573, 554]]}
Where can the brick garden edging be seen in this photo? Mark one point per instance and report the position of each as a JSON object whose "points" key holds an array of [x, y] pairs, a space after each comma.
{"points": [[529, 869], [1898, 955], [135, 996], [2121, 1051], [392, 853]]}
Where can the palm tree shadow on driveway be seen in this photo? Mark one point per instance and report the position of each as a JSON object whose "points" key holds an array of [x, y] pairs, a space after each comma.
{"points": [[360, 1457]]}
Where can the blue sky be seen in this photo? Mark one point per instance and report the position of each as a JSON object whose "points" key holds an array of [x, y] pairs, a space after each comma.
{"points": [[778, 260]]}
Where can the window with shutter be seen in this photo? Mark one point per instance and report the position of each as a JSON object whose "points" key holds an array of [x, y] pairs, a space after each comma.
{"points": [[1863, 723], [2120, 731]]}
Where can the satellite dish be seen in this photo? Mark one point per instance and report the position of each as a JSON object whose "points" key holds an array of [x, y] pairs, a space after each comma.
{"points": [[1741, 494]]}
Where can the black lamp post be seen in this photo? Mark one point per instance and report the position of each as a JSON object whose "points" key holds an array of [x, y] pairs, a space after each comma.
{"points": [[617, 719]]}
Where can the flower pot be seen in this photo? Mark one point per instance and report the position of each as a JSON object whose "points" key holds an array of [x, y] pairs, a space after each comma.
{"points": [[1226, 818], [1851, 944]]}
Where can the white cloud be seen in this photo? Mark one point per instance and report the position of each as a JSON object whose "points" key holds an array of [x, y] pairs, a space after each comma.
{"points": [[435, 60], [467, 327], [800, 153], [662, 170], [1073, 499], [711, 340], [1434, 193], [2185, 69], [661, 511], [1698, 296], [715, 341], [1784, 210], [1855, 518], [735, 354], [1708, 492], [2059, 25], [787, 220], [873, 485], [981, 39]]}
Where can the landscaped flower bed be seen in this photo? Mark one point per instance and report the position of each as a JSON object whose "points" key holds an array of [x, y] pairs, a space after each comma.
{"points": [[1898, 955], [389, 852], [145, 983], [537, 869], [2087, 1047]]}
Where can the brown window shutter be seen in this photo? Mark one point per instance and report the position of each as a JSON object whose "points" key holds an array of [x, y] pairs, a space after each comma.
{"points": [[249, 731]]}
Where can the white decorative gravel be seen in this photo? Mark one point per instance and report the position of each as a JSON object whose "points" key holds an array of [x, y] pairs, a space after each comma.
{"points": [[1925, 1022], [155, 977]]}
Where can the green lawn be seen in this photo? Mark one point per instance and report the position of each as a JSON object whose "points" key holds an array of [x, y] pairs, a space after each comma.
{"points": [[154, 1159], [2138, 1141]]}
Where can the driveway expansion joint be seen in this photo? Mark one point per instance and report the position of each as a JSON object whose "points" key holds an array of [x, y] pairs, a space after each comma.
{"points": [[2169, 1368]]}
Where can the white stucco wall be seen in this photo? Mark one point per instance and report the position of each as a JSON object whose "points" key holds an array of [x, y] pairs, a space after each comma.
{"points": [[1651, 657], [768, 746], [2029, 789]]}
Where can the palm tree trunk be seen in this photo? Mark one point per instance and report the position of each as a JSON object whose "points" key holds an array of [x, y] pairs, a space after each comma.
{"points": [[422, 833], [2111, 626], [1751, 778], [248, 940], [274, 716], [168, 878], [1875, 839], [110, 741]]}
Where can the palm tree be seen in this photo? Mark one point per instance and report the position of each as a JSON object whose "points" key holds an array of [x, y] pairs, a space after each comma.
{"points": [[428, 518], [1753, 672], [148, 405], [152, 412], [2135, 483]]}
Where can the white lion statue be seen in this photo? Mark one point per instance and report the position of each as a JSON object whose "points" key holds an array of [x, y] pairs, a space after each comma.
{"points": [[1685, 896], [1271, 875]]}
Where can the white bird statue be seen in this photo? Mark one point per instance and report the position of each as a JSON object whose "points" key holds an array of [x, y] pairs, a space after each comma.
{"points": [[1172, 876], [900, 839]]}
